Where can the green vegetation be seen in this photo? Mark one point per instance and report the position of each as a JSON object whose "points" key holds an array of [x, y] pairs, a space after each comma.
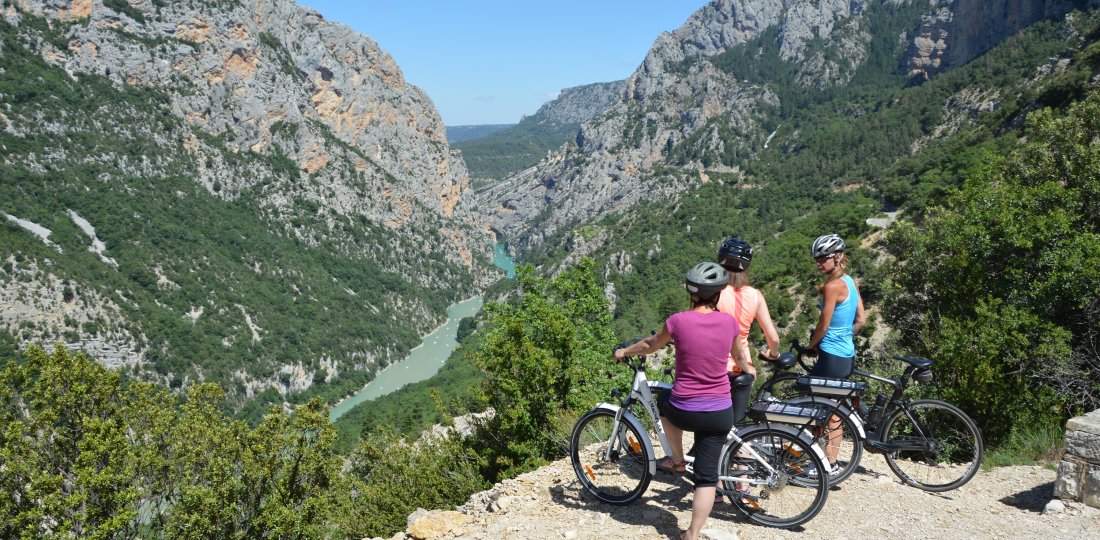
{"points": [[502, 153], [312, 284], [105, 456], [1002, 283], [87, 454]]}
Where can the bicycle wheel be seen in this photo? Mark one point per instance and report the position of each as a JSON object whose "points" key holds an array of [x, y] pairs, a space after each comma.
{"points": [[780, 387], [779, 492], [846, 447], [609, 460], [932, 445]]}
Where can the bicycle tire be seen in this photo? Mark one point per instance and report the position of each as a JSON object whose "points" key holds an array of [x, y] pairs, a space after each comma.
{"points": [[946, 447], [622, 478], [784, 497], [780, 387]]}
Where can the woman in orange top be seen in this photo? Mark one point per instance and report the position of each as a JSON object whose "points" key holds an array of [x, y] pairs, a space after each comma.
{"points": [[746, 304]]}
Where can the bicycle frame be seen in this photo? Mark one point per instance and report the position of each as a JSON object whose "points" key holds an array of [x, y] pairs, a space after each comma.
{"points": [[641, 392]]}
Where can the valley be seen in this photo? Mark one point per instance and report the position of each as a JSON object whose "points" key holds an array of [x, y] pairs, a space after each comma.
{"points": [[244, 265]]}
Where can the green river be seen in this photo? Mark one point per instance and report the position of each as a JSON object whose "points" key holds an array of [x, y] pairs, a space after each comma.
{"points": [[427, 358]]}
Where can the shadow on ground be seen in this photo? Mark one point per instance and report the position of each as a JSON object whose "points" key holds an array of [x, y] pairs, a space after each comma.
{"points": [[1032, 500]]}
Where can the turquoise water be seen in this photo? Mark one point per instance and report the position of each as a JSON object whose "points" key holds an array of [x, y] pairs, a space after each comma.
{"points": [[503, 261], [433, 351]]}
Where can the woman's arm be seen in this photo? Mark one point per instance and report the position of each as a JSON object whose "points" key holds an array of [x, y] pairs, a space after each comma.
{"points": [[764, 319], [860, 317], [741, 358], [645, 345], [832, 294]]}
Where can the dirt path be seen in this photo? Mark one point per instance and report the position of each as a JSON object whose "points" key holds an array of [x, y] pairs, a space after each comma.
{"points": [[549, 504]]}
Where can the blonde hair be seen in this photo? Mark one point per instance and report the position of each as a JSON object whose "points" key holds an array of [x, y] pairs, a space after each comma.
{"points": [[838, 270]]}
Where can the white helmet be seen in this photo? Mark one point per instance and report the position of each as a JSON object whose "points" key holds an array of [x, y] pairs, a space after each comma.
{"points": [[830, 244]]}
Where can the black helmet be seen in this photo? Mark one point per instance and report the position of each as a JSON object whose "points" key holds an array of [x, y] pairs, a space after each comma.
{"points": [[706, 279], [830, 244], [735, 254]]}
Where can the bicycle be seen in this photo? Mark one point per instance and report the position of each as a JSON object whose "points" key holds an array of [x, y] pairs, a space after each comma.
{"points": [[928, 443], [614, 458]]}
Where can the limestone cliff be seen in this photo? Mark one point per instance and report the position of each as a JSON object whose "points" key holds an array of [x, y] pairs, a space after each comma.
{"points": [[686, 117], [266, 107]]}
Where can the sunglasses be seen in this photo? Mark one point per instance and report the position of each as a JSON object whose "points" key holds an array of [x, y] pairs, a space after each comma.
{"points": [[823, 258]]}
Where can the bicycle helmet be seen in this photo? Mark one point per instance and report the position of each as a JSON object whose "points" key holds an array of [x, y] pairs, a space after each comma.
{"points": [[706, 279], [735, 254], [830, 244]]}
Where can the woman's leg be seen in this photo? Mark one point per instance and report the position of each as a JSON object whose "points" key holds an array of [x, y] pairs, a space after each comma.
{"points": [[836, 367], [701, 505], [675, 440]]}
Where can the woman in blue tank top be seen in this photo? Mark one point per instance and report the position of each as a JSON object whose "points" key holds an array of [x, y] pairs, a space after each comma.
{"points": [[841, 310], [841, 317]]}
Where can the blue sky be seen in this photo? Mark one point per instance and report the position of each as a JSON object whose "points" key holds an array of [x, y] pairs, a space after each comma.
{"points": [[492, 61]]}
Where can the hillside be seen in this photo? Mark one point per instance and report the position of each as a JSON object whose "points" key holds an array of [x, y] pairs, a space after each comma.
{"points": [[505, 152], [224, 191], [710, 97]]}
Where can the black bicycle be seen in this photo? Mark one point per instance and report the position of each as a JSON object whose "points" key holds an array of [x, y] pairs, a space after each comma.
{"points": [[928, 443]]}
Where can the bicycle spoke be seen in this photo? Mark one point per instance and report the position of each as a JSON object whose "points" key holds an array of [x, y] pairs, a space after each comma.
{"points": [[774, 490], [935, 447], [610, 463]]}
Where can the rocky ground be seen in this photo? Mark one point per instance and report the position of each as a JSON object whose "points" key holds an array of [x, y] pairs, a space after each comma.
{"points": [[549, 504]]}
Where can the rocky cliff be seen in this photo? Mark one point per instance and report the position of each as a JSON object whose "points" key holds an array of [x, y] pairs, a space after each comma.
{"points": [[333, 173], [674, 100], [955, 32], [580, 103], [704, 99]]}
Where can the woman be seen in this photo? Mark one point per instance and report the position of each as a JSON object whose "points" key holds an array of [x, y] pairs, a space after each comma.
{"points": [[700, 399], [746, 304], [841, 317]]}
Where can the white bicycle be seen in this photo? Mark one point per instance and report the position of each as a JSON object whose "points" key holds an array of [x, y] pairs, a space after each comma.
{"points": [[614, 458]]}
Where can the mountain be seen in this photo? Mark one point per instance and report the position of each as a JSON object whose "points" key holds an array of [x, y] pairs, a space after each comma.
{"points": [[457, 134], [503, 153], [222, 190], [709, 96]]}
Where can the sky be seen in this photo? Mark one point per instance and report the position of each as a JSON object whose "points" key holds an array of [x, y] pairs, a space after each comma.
{"points": [[494, 61]]}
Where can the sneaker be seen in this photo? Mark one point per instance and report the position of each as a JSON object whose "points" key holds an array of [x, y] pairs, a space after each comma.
{"points": [[834, 470]]}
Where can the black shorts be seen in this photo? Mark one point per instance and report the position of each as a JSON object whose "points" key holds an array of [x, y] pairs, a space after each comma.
{"points": [[833, 366], [710, 429]]}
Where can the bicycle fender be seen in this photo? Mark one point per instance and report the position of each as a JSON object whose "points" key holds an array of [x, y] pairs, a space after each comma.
{"points": [[841, 410], [629, 418]]}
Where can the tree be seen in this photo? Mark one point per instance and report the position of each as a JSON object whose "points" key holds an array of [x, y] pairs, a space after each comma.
{"points": [[545, 353], [1002, 285]]}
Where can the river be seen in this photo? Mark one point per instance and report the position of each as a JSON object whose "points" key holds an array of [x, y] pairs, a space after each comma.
{"points": [[428, 357]]}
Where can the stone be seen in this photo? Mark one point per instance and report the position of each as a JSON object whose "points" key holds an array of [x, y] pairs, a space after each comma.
{"points": [[1083, 444], [1055, 506], [436, 524], [1066, 485]]}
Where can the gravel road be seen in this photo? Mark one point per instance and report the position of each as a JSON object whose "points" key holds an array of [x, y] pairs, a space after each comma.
{"points": [[549, 504]]}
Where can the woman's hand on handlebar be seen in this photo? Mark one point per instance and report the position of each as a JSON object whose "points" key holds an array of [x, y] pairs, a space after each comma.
{"points": [[763, 355]]}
